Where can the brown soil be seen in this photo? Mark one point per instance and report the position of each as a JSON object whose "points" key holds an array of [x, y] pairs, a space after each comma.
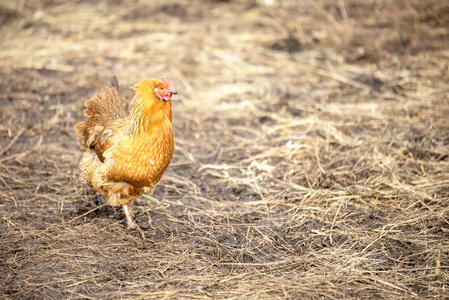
{"points": [[311, 153]]}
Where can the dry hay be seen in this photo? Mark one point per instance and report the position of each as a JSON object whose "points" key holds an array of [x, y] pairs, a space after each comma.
{"points": [[311, 150]]}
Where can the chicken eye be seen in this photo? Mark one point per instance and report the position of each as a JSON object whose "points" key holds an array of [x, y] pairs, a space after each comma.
{"points": [[161, 88]]}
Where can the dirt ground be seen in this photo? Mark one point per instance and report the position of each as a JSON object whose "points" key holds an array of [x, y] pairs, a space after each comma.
{"points": [[311, 155]]}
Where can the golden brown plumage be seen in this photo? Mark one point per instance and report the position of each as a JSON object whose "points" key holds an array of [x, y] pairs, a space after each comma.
{"points": [[127, 147]]}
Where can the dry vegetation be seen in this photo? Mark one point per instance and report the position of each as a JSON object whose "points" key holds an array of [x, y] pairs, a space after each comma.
{"points": [[311, 150]]}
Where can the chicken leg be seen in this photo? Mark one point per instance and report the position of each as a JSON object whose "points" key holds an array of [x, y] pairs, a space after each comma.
{"points": [[130, 224]]}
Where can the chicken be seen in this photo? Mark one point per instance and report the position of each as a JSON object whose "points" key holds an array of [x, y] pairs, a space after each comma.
{"points": [[127, 146]]}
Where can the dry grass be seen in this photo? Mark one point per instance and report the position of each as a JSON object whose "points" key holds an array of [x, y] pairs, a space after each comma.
{"points": [[311, 150]]}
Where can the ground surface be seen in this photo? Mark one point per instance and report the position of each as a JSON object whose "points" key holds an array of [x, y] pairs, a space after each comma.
{"points": [[311, 150]]}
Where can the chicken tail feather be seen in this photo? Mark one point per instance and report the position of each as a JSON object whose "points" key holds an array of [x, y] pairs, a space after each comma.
{"points": [[114, 83], [99, 111]]}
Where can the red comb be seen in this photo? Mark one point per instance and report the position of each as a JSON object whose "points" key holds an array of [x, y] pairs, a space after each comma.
{"points": [[168, 82]]}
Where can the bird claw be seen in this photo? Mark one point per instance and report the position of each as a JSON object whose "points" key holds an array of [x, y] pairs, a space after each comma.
{"points": [[131, 225]]}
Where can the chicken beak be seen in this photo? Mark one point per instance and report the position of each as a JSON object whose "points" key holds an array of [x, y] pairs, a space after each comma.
{"points": [[173, 92]]}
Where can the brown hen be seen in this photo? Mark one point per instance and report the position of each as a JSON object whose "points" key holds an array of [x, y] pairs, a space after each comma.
{"points": [[127, 146]]}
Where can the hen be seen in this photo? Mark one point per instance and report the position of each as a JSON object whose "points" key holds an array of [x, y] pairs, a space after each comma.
{"points": [[127, 146]]}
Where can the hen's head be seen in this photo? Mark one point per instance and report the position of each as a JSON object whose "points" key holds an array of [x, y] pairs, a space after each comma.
{"points": [[154, 89]]}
